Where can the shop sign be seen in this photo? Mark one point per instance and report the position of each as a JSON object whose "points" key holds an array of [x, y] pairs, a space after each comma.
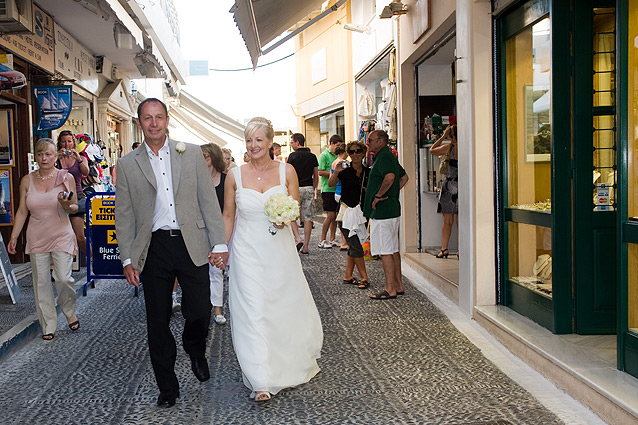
{"points": [[74, 61], [104, 248], [36, 48], [54, 106]]}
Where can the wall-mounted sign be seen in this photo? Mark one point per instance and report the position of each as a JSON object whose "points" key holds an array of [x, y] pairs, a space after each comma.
{"points": [[36, 48], [54, 106], [75, 61]]}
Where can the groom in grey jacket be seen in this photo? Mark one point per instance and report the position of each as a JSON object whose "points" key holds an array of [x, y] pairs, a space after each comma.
{"points": [[169, 225]]}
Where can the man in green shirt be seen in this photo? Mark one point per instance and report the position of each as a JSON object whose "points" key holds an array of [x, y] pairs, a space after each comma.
{"points": [[330, 206], [387, 178]]}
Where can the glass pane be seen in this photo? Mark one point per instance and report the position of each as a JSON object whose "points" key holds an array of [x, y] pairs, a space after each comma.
{"points": [[604, 180], [632, 161], [529, 137], [530, 257], [604, 46]]}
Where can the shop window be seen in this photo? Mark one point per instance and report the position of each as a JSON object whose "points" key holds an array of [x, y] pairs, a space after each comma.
{"points": [[529, 135], [530, 257], [528, 183], [604, 124]]}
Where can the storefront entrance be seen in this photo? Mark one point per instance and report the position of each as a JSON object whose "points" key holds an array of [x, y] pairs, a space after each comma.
{"points": [[558, 172], [595, 167]]}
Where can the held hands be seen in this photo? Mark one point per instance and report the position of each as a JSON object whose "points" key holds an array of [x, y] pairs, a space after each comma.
{"points": [[218, 259]]}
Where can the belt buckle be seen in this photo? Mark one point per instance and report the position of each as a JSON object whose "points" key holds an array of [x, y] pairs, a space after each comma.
{"points": [[173, 232]]}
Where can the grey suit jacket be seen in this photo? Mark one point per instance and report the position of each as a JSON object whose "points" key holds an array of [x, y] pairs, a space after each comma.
{"points": [[196, 205]]}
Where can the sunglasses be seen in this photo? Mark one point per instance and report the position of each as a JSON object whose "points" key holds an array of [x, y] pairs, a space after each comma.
{"points": [[355, 151]]}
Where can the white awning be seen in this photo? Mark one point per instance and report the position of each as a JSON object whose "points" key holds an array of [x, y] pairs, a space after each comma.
{"points": [[205, 123], [261, 21]]}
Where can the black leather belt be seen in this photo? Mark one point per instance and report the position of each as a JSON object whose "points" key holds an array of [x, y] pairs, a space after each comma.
{"points": [[170, 232]]}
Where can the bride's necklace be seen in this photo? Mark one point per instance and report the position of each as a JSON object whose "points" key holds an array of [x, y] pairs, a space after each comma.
{"points": [[47, 177], [260, 171]]}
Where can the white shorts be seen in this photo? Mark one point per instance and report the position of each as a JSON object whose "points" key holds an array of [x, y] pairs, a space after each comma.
{"points": [[384, 236]]}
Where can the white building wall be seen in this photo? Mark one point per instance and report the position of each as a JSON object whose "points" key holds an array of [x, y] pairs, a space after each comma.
{"points": [[476, 154]]}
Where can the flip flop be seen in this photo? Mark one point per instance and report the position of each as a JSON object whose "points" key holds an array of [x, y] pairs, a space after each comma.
{"points": [[363, 284], [401, 293], [351, 281], [305, 252], [299, 246], [382, 296], [74, 326], [47, 337]]}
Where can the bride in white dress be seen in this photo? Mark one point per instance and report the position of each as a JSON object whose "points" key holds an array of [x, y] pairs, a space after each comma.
{"points": [[275, 325]]}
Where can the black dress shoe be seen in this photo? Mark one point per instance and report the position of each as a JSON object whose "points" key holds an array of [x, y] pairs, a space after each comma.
{"points": [[200, 368], [167, 399]]}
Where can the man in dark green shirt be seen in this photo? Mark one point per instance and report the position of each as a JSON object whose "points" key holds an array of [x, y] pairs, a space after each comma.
{"points": [[382, 206]]}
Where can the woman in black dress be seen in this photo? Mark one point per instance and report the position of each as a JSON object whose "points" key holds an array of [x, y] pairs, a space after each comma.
{"points": [[448, 205]]}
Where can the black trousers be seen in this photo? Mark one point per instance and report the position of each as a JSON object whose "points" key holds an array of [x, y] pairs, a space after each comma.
{"points": [[167, 259]]}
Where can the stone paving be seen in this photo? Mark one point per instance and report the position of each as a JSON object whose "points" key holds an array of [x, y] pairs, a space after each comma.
{"points": [[383, 362]]}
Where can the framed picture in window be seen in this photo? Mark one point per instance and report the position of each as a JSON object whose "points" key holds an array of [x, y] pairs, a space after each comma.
{"points": [[7, 134], [6, 197], [538, 131]]}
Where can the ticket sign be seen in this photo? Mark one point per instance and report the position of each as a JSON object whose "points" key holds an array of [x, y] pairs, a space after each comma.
{"points": [[104, 249]]}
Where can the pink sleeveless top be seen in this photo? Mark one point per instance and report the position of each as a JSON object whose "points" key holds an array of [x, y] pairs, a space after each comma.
{"points": [[49, 227]]}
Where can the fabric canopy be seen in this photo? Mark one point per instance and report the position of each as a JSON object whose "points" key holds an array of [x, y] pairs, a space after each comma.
{"points": [[205, 122], [261, 21]]}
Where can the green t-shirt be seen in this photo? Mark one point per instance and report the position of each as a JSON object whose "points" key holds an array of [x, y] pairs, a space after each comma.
{"points": [[325, 162], [384, 163]]}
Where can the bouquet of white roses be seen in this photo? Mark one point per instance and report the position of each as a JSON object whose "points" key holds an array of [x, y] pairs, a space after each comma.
{"points": [[281, 209]]}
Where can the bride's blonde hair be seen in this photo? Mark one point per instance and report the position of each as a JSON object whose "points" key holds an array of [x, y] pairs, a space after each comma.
{"points": [[257, 123]]}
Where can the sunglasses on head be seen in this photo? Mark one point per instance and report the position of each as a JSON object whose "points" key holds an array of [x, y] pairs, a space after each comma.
{"points": [[355, 151]]}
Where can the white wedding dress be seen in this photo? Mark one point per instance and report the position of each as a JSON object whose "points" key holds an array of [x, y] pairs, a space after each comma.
{"points": [[275, 325]]}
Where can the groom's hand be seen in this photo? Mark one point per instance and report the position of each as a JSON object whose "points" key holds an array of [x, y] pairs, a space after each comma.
{"points": [[132, 275], [218, 259]]}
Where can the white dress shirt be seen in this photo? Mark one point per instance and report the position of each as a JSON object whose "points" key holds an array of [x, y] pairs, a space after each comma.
{"points": [[164, 215]]}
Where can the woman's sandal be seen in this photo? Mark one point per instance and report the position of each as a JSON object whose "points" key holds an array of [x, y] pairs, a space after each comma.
{"points": [[351, 281], [262, 396], [74, 326], [443, 254], [47, 337], [363, 284]]}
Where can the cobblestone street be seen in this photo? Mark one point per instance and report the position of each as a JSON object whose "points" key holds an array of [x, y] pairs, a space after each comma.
{"points": [[383, 362]]}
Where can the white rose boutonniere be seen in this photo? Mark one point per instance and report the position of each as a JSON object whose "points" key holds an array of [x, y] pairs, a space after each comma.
{"points": [[180, 147]]}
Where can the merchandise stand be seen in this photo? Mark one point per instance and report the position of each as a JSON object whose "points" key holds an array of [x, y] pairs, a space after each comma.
{"points": [[103, 257]]}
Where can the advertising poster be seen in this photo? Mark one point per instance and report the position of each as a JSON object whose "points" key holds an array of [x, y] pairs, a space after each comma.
{"points": [[104, 248], [6, 201], [6, 135], [54, 106]]}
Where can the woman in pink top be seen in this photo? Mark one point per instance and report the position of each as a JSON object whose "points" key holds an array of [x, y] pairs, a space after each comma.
{"points": [[48, 195]]}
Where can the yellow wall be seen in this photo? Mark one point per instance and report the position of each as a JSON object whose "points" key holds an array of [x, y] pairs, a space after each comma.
{"points": [[326, 34]]}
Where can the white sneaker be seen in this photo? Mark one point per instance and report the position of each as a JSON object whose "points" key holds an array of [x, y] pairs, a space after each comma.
{"points": [[324, 245], [176, 305], [220, 319], [335, 243]]}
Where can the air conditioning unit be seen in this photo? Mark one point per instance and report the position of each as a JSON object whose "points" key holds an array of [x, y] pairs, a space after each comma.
{"points": [[16, 16], [104, 67]]}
